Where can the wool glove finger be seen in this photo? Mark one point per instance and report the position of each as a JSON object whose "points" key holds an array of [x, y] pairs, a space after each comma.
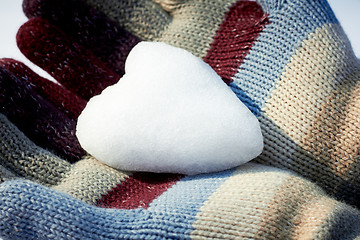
{"points": [[62, 98], [37, 117], [73, 66], [88, 27], [253, 201]]}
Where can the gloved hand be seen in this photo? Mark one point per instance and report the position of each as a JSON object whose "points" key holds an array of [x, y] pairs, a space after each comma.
{"points": [[281, 147], [289, 62]]}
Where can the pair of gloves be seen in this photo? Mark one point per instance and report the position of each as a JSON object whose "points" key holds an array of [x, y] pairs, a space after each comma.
{"points": [[288, 61]]}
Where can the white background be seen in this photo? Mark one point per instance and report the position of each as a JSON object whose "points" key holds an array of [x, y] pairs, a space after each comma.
{"points": [[12, 17]]}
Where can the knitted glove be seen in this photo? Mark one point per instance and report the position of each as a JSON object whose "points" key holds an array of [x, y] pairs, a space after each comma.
{"points": [[289, 62], [251, 202], [46, 207]]}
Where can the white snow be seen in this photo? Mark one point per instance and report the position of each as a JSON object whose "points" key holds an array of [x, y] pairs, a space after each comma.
{"points": [[170, 112]]}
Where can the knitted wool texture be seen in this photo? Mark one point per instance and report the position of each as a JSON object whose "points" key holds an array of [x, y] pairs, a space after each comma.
{"points": [[251, 202], [290, 63], [300, 62]]}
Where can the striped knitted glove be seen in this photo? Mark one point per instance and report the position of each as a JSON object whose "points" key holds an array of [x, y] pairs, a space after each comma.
{"points": [[251, 202], [287, 212], [288, 61]]}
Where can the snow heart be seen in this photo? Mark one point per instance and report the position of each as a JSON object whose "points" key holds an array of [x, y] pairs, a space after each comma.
{"points": [[170, 113]]}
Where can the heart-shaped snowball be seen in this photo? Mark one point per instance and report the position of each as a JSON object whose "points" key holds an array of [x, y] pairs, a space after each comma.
{"points": [[170, 112]]}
